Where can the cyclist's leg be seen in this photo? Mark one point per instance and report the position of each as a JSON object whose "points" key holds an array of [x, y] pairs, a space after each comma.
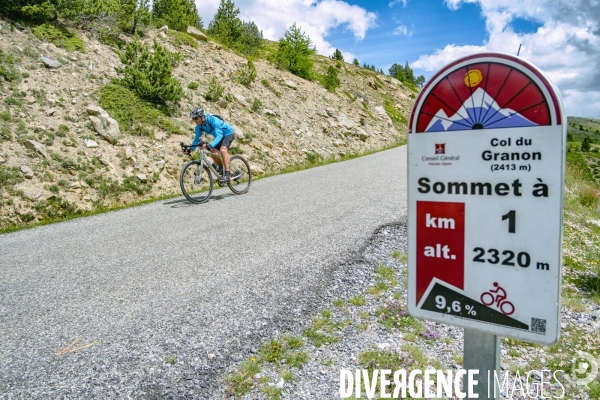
{"points": [[214, 153], [225, 143]]}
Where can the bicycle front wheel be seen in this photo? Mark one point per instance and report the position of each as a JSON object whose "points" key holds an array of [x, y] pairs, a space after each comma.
{"points": [[241, 179], [196, 182]]}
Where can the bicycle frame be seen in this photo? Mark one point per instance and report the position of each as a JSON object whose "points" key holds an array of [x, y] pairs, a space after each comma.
{"points": [[206, 160]]}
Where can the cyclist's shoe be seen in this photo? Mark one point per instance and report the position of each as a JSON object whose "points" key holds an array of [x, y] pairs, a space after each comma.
{"points": [[236, 174], [225, 178]]}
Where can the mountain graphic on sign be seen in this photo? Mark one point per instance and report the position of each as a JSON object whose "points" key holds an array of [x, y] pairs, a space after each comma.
{"points": [[479, 111]]}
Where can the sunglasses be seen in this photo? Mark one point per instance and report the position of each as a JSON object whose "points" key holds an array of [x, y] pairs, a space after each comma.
{"points": [[196, 118]]}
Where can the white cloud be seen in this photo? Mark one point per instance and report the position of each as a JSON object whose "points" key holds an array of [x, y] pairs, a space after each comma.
{"points": [[315, 18], [402, 30], [566, 46]]}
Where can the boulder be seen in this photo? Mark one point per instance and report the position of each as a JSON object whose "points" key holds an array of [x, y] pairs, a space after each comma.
{"points": [[290, 84], [50, 63], [107, 127], [37, 147], [89, 143], [240, 99], [237, 132], [196, 33]]}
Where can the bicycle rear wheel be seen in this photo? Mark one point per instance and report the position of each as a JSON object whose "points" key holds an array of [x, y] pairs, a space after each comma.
{"points": [[196, 182], [241, 179]]}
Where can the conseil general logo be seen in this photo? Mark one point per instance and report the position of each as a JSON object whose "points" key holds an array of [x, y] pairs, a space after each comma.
{"points": [[440, 148]]}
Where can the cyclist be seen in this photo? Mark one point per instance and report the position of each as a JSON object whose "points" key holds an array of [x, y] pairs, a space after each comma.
{"points": [[223, 136]]}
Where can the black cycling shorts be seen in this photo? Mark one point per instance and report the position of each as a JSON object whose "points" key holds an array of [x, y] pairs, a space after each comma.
{"points": [[226, 141]]}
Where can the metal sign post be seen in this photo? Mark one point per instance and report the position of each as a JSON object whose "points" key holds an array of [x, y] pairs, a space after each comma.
{"points": [[486, 152]]}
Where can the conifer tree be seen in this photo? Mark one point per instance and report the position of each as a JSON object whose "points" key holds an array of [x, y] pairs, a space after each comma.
{"points": [[226, 26], [337, 55], [149, 75], [294, 53], [176, 14]]}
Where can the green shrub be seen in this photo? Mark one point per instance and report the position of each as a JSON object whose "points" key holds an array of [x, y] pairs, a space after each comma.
{"points": [[182, 38], [331, 79], [256, 105], [132, 112], [60, 36], [10, 176], [247, 75], [149, 75], [193, 85], [215, 90], [7, 69]]}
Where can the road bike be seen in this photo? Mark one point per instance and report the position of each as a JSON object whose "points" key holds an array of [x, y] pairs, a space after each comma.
{"points": [[198, 176]]}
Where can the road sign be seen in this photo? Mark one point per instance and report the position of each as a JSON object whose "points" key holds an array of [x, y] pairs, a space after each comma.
{"points": [[486, 152]]}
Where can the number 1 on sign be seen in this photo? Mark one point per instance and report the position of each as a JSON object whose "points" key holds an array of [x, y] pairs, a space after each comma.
{"points": [[511, 216]]}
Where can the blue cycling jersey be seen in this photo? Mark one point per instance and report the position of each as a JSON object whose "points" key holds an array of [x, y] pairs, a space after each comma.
{"points": [[213, 126]]}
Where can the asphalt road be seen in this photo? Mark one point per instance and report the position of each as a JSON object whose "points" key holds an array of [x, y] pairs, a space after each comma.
{"points": [[196, 285]]}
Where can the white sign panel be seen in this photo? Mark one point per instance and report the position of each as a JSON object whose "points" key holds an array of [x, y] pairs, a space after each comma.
{"points": [[486, 176]]}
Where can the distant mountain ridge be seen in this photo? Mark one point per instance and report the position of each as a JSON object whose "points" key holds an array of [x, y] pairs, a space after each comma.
{"points": [[479, 111]]}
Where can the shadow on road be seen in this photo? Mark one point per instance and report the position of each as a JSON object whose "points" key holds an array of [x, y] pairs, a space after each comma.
{"points": [[177, 203]]}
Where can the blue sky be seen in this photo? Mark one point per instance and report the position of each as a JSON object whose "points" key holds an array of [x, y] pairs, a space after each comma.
{"points": [[561, 37]]}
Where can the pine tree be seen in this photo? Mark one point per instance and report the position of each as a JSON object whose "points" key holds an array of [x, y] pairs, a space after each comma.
{"points": [[331, 79], [356, 62], [337, 55], [149, 75], [294, 51], [585, 144], [176, 14], [226, 26], [251, 38]]}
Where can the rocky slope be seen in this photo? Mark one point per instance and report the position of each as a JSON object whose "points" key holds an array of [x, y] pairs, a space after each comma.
{"points": [[56, 158]]}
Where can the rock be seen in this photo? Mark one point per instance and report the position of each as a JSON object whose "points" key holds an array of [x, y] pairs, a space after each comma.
{"points": [[32, 196], [75, 185], [290, 84], [160, 165], [36, 146], [50, 112], [161, 35], [89, 143], [107, 127], [163, 28], [344, 121], [143, 178], [103, 160], [127, 153], [223, 103], [240, 99], [50, 63], [2, 160], [238, 133], [271, 113], [362, 134], [30, 100], [26, 171], [196, 33], [256, 169], [93, 110]]}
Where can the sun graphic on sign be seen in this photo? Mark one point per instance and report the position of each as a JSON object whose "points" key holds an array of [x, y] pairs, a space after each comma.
{"points": [[473, 78]]}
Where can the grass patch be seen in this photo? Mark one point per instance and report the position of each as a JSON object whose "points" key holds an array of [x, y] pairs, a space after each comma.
{"points": [[61, 36], [243, 380], [393, 315], [135, 116], [357, 301]]}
